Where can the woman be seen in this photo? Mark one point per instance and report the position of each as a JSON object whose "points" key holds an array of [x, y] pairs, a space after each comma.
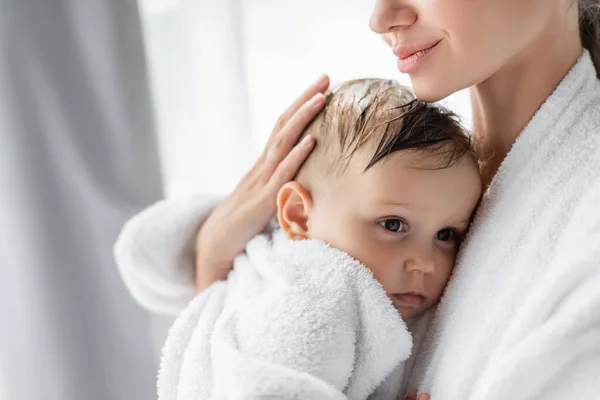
{"points": [[520, 316]]}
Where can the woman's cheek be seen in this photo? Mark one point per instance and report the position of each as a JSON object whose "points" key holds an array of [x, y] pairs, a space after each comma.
{"points": [[428, 4]]}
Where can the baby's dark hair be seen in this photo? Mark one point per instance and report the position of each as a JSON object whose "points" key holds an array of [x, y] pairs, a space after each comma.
{"points": [[389, 117]]}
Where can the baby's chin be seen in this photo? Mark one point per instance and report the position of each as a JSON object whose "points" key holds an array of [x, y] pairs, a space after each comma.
{"points": [[408, 313]]}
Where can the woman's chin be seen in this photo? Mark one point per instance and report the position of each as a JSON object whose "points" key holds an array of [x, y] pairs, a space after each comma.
{"points": [[427, 90]]}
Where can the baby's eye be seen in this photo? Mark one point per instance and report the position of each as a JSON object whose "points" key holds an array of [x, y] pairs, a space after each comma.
{"points": [[392, 224], [447, 235]]}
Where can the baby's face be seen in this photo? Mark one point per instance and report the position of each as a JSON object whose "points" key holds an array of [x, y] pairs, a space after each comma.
{"points": [[403, 220]]}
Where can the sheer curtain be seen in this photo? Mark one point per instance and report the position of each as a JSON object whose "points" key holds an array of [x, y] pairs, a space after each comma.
{"points": [[196, 63], [77, 158]]}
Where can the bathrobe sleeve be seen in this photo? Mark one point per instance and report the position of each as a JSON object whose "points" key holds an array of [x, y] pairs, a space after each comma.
{"points": [[552, 350], [155, 252], [302, 322]]}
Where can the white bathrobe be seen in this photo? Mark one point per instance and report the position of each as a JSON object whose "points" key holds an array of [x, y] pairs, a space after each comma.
{"points": [[294, 320], [521, 316]]}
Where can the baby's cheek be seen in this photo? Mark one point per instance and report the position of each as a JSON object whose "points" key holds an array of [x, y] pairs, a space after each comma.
{"points": [[390, 276], [440, 280], [444, 264]]}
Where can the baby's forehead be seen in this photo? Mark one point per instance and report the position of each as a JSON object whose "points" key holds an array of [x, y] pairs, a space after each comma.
{"points": [[417, 182], [404, 162]]}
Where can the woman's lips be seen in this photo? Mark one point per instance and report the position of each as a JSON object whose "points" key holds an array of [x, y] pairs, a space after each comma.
{"points": [[410, 57], [411, 300]]}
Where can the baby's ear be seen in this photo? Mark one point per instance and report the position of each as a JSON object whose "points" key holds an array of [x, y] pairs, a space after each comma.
{"points": [[294, 204]]}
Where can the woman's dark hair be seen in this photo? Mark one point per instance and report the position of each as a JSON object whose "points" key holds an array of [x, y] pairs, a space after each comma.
{"points": [[589, 29]]}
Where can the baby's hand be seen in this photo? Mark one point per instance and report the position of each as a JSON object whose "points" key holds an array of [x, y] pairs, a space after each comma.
{"points": [[412, 395]]}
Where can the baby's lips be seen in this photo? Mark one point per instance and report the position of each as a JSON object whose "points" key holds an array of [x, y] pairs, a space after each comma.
{"points": [[410, 299]]}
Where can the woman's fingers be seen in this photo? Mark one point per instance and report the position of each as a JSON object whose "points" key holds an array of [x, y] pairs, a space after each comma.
{"points": [[286, 170], [413, 395], [281, 146], [319, 86], [289, 127]]}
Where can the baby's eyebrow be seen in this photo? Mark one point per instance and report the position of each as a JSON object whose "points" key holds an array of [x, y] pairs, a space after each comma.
{"points": [[393, 203], [411, 206], [462, 223]]}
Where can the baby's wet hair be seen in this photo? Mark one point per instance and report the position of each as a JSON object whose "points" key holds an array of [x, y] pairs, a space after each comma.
{"points": [[386, 115]]}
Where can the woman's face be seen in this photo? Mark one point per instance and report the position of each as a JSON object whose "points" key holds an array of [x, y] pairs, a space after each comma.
{"points": [[449, 45]]}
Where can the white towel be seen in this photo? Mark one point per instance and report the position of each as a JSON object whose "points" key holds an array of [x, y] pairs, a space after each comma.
{"points": [[294, 320]]}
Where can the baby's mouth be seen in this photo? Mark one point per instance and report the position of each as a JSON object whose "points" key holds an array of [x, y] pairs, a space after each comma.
{"points": [[410, 299]]}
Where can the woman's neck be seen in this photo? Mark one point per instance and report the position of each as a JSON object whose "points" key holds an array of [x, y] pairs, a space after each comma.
{"points": [[507, 101]]}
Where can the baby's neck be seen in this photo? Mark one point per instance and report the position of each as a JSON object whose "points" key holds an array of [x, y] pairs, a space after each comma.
{"points": [[506, 102]]}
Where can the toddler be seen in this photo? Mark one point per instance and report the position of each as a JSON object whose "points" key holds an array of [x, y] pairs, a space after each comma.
{"points": [[367, 239]]}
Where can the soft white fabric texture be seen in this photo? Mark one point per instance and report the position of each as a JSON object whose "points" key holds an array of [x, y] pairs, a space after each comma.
{"points": [[521, 316], [158, 268], [294, 320], [78, 157]]}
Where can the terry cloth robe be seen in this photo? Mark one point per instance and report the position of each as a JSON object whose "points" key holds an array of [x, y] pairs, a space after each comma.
{"points": [[294, 320], [520, 318]]}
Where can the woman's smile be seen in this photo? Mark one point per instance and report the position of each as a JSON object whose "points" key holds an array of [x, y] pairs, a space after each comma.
{"points": [[411, 57]]}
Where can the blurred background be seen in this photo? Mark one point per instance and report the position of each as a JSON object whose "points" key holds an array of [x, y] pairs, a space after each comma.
{"points": [[108, 106]]}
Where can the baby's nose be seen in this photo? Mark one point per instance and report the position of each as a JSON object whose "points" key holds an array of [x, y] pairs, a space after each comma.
{"points": [[421, 261]]}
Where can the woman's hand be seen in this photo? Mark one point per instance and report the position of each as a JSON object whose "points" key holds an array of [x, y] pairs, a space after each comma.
{"points": [[247, 210], [412, 395]]}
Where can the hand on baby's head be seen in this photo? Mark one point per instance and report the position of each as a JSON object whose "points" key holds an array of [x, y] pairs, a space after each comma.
{"points": [[393, 182]]}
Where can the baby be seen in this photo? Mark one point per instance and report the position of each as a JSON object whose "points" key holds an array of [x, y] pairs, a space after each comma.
{"points": [[392, 182], [367, 238]]}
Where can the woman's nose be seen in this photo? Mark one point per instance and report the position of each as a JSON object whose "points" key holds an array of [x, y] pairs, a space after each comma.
{"points": [[391, 15]]}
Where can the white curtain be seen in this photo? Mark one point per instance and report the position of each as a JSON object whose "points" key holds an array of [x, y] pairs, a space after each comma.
{"points": [[77, 158], [196, 62]]}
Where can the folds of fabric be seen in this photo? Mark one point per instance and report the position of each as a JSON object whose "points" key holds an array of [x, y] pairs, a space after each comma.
{"points": [[294, 320], [77, 158]]}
